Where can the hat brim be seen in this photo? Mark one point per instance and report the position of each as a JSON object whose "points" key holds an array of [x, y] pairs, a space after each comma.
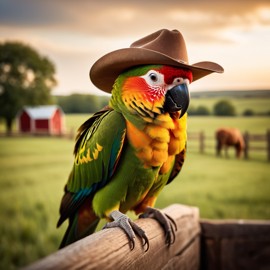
{"points": [[105, 70]]}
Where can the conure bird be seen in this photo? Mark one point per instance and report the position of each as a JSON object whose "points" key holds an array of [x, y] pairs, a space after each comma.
{"points": [[127, 153]]}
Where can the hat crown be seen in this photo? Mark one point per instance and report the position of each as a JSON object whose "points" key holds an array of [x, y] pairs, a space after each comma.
{"points": [[169, 43], [163, 47]]}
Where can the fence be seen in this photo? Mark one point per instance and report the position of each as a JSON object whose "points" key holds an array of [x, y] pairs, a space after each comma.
{"points": [[109, 249], [250, 138], [199, 244], [205, 143]]}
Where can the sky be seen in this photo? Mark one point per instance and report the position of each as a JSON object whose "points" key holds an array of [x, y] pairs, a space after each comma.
{"points": [[74, 34]]}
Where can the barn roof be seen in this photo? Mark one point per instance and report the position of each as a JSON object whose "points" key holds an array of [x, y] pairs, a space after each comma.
{"points": [[41, 112]]}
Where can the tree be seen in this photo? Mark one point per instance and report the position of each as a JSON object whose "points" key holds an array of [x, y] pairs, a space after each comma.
{"points": [[78, 103], [224, 108], [248, 112], [202, 110], [26, 78], [191, 110]]}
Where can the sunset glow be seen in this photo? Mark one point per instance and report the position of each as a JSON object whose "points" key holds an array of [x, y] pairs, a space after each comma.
{"points": [[74, 34]]}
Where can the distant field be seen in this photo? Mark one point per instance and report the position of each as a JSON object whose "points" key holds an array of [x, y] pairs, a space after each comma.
{"points": [[257, 100], [74, 121], [209, 124], [257, 105], [35, 169]]}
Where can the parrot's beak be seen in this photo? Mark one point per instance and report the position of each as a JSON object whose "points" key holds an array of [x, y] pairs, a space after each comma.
{"points": [[177, 99]]}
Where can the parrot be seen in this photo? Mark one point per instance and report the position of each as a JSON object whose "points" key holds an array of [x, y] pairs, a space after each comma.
{"points": [[126, 153]]}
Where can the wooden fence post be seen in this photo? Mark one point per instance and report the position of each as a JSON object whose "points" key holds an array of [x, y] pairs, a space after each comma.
{"points": [[246, 139], [201, 142], [109, 248]]}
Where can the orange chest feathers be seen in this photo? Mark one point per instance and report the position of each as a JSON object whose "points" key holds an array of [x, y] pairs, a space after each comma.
{"points": [[157, 144]]}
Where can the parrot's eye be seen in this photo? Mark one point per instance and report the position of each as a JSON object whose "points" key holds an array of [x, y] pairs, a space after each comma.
{"points": [[153, 77], [180, 80]]}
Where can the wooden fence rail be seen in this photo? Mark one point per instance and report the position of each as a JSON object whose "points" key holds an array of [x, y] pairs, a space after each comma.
{"points": [[109, 249], [199, 245], [249, 138], [250, 141]]}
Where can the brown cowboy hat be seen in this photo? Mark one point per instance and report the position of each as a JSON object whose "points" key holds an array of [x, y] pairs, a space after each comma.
{"points": [[163, 47]]}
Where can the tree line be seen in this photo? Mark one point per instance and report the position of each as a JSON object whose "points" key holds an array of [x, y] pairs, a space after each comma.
{"points": [[222, 107], [78, 103]]}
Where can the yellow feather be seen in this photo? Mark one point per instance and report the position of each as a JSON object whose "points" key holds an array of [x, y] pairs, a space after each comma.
{"points": [[158, 141], [99, 147], [158, 133], [166, 167], [159, 145]]}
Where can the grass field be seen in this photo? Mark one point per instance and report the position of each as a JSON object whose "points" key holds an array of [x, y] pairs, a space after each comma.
{"points": [[34, 171]]}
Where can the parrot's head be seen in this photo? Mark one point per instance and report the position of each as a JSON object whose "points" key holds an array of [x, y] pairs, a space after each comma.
{"points": [[151, 90]]}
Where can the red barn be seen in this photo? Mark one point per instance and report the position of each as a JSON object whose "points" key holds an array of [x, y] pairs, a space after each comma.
{"points": [[41, 120]]}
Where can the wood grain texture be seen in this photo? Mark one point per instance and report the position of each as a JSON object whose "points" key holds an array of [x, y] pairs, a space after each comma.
{"points": [[233, 245], [186, 260], [109, 249]]}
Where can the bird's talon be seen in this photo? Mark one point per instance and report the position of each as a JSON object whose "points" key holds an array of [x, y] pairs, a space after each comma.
{"points": [[132, 244], [129, 227], [172, 222], [168, 224], [146, 243]]}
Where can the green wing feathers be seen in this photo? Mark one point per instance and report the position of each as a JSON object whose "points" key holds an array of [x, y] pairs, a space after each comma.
{"points": [[97, 150]]}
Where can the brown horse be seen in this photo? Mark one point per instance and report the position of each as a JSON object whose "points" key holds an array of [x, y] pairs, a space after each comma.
{"points": [[227, 137]]}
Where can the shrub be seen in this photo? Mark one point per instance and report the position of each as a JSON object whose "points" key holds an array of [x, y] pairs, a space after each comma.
{"points": [[224, 108], [202, 110], [248, 112], [191, 110]]}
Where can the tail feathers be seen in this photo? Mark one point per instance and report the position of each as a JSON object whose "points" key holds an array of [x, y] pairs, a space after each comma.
{"points": [[72, 233], [82, 220]]}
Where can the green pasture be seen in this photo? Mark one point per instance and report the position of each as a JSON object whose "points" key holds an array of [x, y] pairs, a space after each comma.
{"points": [[34, 171]]}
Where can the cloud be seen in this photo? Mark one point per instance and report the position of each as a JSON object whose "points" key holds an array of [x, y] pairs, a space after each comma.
{"points": [[120, 18], [102, 21], [76, 33], [30, 13]]}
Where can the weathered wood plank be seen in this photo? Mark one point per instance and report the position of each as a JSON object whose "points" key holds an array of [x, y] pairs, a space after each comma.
{"points": [[109, 249], [235, 245], [189, 259]]}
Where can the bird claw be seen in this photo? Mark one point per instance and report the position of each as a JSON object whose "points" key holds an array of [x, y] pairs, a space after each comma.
{"points": [[168, 224], [130, 228]]}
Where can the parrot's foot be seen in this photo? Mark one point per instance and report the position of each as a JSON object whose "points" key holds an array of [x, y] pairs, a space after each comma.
{"points": [[122, 221], [167, 223]]}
